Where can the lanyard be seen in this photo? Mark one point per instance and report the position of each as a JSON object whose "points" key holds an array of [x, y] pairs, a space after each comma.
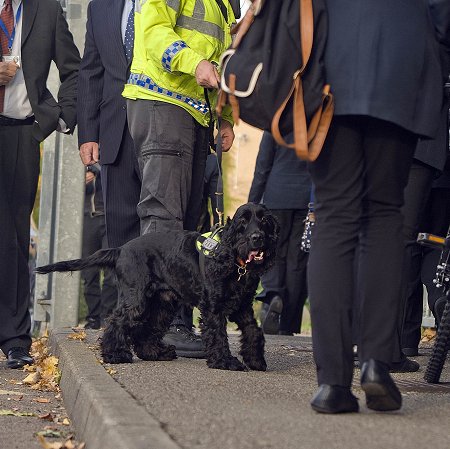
{"points": [[10, 37]]}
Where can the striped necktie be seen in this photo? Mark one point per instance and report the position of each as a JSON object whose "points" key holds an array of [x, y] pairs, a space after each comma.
{"points": [[129, 34], [7, 17]]}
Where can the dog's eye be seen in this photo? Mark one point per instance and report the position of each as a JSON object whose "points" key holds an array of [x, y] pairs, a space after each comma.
{"points": [[242, 222]]}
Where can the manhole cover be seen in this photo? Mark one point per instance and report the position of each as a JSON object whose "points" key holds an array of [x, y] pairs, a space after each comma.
{"points": [[418, 386]]}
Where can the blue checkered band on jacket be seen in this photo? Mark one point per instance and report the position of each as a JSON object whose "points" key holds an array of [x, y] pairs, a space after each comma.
{"points": [[147, 83], [170, 53]]}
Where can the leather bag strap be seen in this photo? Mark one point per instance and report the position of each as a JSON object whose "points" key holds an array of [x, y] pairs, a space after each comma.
{"points": [[307, 143]]}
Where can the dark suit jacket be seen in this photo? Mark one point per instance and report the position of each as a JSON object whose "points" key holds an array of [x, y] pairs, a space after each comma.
{"points": [[46, 37], [399, 78], [435, 152], [101, 109], [281, 179]]}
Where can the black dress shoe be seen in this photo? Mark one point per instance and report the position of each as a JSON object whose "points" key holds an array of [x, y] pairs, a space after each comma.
{"points": [[410, 352], [381, 392], [187, 344], [19, 357], [271, 323], [92, 323], [334, 399], [405, 366]]}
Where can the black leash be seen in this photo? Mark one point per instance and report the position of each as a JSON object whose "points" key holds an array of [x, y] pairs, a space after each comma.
{"points": [[218, 149]]}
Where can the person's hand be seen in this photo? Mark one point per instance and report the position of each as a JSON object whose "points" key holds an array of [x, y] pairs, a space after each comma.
{"points": [[227, 134], [89, 153], [206, 75], [7, 72], [89, 177]]}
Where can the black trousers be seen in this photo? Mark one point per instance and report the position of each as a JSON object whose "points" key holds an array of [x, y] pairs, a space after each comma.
{"points": [[417, 192], [287, 277], [121, 187], [435, 218], [101, 299], [359, 180], [19, 172]]}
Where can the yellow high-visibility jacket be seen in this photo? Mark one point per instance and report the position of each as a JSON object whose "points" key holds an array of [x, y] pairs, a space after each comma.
{"points": [[171, 38]]}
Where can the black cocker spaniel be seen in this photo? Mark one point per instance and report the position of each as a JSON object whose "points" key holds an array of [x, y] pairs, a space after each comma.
{"points": [[158, 271]]}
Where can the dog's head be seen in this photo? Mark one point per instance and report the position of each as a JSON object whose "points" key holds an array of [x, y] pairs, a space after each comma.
{"points": [[252, 234]]}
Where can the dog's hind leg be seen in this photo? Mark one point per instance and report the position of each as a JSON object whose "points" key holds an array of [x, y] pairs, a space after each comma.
{"points": [[115, 342], [147, 336], [252, 339], [114, 345], [214, 335]]}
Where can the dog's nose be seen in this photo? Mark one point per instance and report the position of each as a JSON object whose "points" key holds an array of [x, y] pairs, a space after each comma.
{"points": [[256, 239]]}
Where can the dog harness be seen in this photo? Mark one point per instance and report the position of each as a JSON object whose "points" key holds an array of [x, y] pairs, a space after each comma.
{"points": [[208, 243]]}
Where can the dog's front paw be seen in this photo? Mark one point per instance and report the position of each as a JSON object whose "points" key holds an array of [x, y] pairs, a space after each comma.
{"points": [[118, 357], [230, 363], [256, 364]]}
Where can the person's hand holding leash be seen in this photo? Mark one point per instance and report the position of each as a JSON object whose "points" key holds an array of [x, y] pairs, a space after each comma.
{"points": [[206, 75]]}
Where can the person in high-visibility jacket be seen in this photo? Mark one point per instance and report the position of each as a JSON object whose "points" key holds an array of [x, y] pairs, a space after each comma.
{"points": [[177, 46]]}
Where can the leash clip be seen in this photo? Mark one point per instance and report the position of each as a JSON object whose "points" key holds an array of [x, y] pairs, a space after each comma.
{"points": [[242, 271]]}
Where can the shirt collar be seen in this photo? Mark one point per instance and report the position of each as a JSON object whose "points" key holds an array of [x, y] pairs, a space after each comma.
{"points": [[15, 3]]}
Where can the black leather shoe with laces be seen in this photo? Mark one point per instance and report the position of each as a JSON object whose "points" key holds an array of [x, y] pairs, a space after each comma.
{"points": [[186, 342], [19, 357]]}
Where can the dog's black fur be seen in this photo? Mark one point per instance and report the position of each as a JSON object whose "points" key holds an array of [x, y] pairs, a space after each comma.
{"points": [[157, 271]]}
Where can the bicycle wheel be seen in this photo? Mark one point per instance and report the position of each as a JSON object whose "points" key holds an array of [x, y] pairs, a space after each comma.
{"points": [[440, 348]]}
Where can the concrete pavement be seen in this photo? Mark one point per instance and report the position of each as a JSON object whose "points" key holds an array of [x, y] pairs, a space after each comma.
{"points": [[184, 404]]}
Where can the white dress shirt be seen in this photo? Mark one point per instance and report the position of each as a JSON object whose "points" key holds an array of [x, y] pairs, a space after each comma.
{"points": [[128, 4], [16, 103]]}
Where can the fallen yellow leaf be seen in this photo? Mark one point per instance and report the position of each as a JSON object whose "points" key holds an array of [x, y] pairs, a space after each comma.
{"points": [[78, 335], [4, 412], [32, 378]]}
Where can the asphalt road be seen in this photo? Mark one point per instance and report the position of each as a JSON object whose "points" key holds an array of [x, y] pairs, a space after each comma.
{"points": [[184, 404]]}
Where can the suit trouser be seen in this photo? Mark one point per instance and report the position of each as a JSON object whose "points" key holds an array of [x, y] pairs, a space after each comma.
{"points": [[411, 307], [359, 180], [172, 149], [121, 187], [19, 172], [100, 299], [424, 260], [287, 277]]}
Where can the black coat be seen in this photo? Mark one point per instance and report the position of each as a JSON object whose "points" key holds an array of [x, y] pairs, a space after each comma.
{"points": [[46, 38], [102, 115], [435, 152], [397, 81], [281, 180]]}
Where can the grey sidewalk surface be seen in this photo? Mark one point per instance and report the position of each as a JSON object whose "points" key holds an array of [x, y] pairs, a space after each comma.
{"points": [[184, 404]]}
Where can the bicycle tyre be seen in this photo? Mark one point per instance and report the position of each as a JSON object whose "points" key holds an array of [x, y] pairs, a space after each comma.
{"points": [[440, 348]]}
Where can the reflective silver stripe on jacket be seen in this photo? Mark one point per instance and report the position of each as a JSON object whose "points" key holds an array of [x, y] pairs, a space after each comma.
{"points": [[174, 4], [170, 52], [197, 22], [146, 82], [209, 28], [138, 4]]}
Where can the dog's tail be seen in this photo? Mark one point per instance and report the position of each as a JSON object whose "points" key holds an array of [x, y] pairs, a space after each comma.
{"points": [[103, 258]]}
